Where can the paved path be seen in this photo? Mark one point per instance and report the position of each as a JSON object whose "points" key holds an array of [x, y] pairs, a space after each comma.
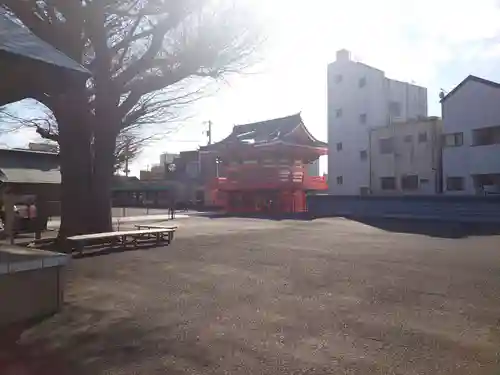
{"points": [[240, 296]]}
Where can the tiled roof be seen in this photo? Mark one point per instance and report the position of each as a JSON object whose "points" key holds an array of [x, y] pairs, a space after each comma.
{"points": [[261, 132], [270, 128], [269, 131], [18, 40]]}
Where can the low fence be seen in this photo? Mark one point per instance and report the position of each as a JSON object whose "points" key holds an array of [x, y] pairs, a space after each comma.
{"points": [[444, 208]]}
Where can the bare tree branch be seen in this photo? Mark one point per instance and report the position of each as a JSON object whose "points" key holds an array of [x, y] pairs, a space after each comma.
{"points": [[141, 52]]}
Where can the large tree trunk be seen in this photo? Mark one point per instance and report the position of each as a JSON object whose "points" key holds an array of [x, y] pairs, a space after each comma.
{"points": [[102, 177], [75, 159], [106, 128]]}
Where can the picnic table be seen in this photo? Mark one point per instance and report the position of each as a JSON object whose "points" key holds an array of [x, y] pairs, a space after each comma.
{"points": [[123, 238]]}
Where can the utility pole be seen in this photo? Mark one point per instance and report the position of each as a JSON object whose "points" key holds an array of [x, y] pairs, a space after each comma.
{"points": [[127, 170], [127, 150], [209, 132]]}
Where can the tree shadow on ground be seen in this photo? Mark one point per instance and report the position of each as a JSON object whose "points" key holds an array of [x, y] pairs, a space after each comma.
{"points": [[96, 251], [90, 341], [100, 249], [432, 228]]}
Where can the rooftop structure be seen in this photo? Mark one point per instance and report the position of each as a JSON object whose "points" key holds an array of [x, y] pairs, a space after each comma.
{"points": [[262, 166], [30, 66]]}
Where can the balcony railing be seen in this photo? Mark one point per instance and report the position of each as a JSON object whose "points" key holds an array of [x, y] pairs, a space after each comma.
{"points": [[283, 178]]}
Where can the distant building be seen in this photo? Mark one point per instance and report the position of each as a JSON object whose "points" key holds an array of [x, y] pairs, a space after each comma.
{"points": [[186, 171], [178, 173], [361, 98], [405, 158], [30, 176], [157, 172], [471, 142], [167, 158]]}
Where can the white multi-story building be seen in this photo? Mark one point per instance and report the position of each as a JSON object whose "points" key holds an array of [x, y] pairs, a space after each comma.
{"points": [[405, 158], [361, 98], [471, 143]]}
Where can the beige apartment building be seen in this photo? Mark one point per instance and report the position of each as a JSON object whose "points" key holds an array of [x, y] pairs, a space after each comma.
{"points": [[405, 158]]}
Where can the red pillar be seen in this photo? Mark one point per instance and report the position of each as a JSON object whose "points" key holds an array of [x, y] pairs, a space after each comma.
{"points": [[299, 198]]}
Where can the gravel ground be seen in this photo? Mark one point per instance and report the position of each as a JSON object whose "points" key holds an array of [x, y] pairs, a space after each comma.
{"points": [[246, 296]]}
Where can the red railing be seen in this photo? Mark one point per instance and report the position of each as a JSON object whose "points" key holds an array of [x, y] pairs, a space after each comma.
{"points": [[315, 183], [278, 179]]}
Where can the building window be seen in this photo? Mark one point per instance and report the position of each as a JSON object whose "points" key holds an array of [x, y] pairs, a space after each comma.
{"points": [[395, 109], [422, 137], [388, 183], [408, 139], [362, 118], [409, 182], [386, 145], [338, 113], [363, 155], [453, 140], [339, 146], [340, 180], [362, 82], [486, 136], [338, 78], [454, 183]]}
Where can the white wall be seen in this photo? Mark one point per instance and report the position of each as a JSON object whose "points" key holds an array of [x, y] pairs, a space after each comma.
{"points": [[409, 158], [373, 100], [413, 98], [474, 105], [348, 129]]}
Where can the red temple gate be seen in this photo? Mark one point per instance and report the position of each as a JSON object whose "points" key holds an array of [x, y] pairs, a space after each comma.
{"points": [[262, 167]]}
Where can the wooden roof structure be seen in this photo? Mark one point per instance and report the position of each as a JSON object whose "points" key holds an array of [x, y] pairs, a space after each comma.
{"points": [[289, 130], [32, 67]]}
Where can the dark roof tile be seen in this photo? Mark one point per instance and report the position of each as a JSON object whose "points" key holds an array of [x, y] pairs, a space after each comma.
{"points": [[18, 40], [284, 125]]}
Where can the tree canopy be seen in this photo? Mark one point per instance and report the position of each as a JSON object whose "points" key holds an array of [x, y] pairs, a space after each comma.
{"points": [[141, 54]]}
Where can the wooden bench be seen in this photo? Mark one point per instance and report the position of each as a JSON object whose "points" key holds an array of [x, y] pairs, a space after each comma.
{"points": [[146, 226], [123, 238]]}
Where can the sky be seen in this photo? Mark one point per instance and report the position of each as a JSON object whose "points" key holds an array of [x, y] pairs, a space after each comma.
{"points": [[433, 43]]}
